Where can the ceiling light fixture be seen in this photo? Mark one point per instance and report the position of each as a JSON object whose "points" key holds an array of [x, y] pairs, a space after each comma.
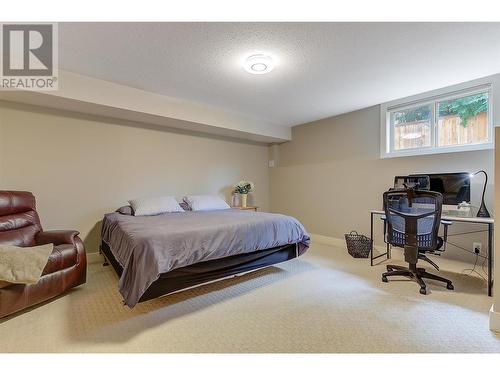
{"points": [[258, 64]]}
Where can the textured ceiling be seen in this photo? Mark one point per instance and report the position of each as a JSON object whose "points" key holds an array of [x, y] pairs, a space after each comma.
{"points": [[323, 69]]}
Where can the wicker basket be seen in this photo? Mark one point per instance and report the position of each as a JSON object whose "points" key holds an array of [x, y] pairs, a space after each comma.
{"points": [[358, 245]]}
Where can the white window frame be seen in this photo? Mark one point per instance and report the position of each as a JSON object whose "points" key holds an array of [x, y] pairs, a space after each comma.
{"points": [[387, 130]]}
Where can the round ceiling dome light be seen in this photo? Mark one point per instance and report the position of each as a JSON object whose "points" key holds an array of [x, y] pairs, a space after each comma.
{"points": [[258, 64]]}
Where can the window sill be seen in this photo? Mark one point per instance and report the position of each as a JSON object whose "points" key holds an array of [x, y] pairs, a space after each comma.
{"points": [[440, 150]]}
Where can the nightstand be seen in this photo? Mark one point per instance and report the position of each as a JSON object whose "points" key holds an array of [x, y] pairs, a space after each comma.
{"points": [[250, 208]]}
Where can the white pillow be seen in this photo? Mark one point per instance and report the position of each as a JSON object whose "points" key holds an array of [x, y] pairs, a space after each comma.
{"points": [[205, 202], [154, 206]]}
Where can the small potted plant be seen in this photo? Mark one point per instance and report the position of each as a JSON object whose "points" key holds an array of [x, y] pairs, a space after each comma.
{"points": [[243, 188]]}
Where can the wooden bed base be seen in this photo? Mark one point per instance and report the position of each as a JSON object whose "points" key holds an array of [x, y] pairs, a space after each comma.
{"points": [[209, 271]]}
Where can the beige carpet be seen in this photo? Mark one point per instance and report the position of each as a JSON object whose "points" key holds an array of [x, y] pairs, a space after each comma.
{"points": [[324, 302]]}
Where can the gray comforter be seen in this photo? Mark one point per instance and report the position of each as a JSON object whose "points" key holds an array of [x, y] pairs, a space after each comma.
{"points": [[147, 246]]}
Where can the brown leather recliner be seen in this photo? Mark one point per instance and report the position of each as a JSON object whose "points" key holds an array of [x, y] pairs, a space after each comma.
{"points": [[66, 267]]}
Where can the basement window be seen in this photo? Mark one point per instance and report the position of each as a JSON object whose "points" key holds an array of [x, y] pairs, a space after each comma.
{"points": [[458, 121]]}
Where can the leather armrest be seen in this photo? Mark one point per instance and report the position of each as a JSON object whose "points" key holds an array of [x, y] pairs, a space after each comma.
{"points": [[57, 237], [446, 222], [3, 284], [62, 237]]}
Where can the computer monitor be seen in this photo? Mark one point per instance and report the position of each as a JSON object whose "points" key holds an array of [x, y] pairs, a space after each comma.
{"points": [[420, 182], [455, 187]]}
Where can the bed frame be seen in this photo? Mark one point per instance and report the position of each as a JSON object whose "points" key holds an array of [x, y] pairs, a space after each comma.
{"points": [[208, 271]]}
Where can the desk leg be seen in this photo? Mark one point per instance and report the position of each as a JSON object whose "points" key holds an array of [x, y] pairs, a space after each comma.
{"points": [[490, 259], [371, 238], [372, 257]]}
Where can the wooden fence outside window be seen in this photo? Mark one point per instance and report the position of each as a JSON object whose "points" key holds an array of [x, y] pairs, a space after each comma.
{"points": [[450, 132]]}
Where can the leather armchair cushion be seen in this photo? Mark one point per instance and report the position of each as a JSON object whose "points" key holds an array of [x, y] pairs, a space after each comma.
{"points": [[13, 202], [19, 221], [24, 236], [63, 256]]}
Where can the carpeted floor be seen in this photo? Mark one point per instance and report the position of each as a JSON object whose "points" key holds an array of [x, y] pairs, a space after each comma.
{"points": [[324, 302]]}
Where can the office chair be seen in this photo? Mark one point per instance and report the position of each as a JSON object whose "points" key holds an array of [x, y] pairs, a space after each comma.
{"points": [[412, 220]]}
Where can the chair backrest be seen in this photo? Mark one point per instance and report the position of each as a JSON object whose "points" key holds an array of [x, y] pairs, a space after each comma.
{"points": [[19, 221], [413, 218]]}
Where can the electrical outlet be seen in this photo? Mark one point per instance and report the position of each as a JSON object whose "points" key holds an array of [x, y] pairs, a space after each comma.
{"points": [[477, 247]]}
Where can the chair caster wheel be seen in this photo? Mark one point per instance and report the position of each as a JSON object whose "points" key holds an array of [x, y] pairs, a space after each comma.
{"points": [[384, 279], [423, 291], [450, 287]]}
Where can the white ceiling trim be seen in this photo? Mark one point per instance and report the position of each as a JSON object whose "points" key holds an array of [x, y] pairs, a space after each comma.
{"points": [[94, 96]]}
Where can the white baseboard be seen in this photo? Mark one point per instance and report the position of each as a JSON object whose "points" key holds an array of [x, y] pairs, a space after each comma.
{"points": [[339, 242], [494, 319]]}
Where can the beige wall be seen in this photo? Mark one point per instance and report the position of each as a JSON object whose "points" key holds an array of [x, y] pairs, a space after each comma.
{"points": [[330, 175], [80, 167]]}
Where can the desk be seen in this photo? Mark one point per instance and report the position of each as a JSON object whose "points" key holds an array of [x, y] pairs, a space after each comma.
{"points": [[489, 221]]}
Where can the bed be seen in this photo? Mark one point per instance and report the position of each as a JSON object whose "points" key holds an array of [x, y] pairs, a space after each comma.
{"points": [[158, 255]]}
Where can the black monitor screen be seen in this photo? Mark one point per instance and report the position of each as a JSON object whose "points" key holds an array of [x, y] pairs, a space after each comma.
{"points": [[455, 187], [420, 182]]}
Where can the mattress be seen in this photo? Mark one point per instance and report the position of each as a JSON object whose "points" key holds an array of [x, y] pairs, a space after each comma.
{"points": [[148, 246]]}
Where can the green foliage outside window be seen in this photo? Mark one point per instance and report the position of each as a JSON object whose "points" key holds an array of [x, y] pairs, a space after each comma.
{"points": [[465, 108], [413, 114]]}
